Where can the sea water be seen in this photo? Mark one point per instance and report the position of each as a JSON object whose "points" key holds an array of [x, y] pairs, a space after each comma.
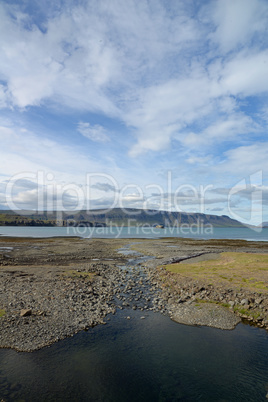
{"points": [[137, 232]]}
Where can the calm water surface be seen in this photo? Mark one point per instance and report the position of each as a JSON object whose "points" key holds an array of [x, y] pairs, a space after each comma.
{"points": [[133, 232], [151, 359]]}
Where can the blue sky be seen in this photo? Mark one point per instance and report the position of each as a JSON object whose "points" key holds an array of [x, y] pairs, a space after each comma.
{"points": [[153, 104]]}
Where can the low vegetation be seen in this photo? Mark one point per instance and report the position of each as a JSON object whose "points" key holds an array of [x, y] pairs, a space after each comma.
{"points": [[241, 270], [76, 274]]}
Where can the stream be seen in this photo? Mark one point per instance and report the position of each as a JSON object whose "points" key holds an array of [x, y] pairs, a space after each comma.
{"points": [[141, 355]]}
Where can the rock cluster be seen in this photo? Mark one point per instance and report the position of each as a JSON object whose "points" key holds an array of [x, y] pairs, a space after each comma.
{"points": [[178, 290], [41, 311]]}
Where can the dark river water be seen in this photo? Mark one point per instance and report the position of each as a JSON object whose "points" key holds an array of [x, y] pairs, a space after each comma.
{"points": [[151, 359]]}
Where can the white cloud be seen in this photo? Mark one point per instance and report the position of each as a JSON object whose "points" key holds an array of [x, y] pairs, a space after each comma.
{"points": [[106, 187], [236, 21], [136, 62], [70, 62], [94, 133], [198, 160], [24, 151], [3, 97], [163, 110], [246, 74], [246, 160], [88, 54], [223, 130], [30, 200], [180, 84]]}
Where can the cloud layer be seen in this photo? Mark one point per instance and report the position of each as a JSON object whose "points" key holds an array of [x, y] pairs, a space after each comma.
{"points": [[125, 86]]}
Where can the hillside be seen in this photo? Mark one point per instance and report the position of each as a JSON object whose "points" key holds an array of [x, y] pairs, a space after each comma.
{"points": [[116, 216], [264, 224]]}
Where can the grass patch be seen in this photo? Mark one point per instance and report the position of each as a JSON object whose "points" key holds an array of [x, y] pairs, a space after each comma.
{"points": [[249, 313], [241, 310], [200, 301], [2, 313], [74, 274], [243, 270]]}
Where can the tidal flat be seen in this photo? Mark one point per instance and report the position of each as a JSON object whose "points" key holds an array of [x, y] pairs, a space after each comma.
{"points": [[52, 288]]}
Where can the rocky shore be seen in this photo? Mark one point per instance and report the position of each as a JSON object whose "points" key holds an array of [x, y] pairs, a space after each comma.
{"points": [[52, 288], [198, 302]]}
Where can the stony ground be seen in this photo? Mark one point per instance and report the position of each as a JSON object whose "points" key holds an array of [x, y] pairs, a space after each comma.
{"points": [[50, 289], [53, 288], [189, 299]]}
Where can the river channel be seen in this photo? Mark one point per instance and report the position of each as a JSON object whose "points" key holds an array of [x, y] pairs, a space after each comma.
{"points": [[141, 355]]}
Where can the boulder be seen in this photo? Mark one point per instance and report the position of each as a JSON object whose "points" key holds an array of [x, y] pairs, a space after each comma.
{"points": [[26, 312]]}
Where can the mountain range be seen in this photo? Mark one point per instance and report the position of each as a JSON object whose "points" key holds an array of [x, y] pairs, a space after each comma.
{"points": [[115, 216]]}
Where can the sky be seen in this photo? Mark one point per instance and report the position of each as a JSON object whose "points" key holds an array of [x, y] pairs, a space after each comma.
{"points": [[138, 104]]}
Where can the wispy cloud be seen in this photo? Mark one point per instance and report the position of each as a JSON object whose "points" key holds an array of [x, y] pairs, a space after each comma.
{"points": [[106, 187], [152, 87], [237, 22], [94, 133]]}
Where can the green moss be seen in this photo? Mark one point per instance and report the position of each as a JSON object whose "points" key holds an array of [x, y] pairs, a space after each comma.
{"points": [[241, 310], [2, 313], [77, 274], [200, 301], [260, 285], [249, 313], [224, 304], [255, 315], [238, 309]]}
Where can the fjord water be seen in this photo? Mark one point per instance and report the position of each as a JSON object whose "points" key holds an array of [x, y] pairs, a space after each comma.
{"points": [[151, 359], [137, 232]]}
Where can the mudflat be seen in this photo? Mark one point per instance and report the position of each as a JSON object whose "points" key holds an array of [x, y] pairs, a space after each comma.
{"points": [[52, 288]]}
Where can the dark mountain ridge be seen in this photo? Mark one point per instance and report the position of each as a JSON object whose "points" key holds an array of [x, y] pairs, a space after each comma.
{"points": [[115, 216]]}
